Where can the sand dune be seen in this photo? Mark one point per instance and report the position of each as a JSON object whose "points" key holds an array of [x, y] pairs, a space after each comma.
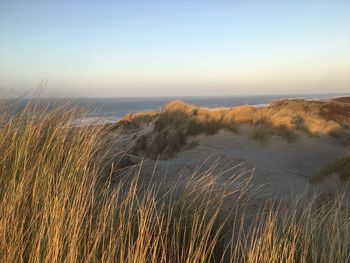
{"points": [[280, 168]]}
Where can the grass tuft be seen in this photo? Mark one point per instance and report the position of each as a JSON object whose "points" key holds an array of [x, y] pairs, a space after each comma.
{"points": [[340, 166]]}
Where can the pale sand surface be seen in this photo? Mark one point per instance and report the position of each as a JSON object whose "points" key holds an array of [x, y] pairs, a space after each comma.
{"points": [[278, 169]]}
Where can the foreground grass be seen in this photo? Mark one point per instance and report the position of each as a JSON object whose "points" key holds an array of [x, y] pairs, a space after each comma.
{"points": [[62, 199]]}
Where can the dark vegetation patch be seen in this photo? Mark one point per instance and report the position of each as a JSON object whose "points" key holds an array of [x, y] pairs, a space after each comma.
{"points": [[343, 99], [340, 166], [263, 132], [337, 111]]}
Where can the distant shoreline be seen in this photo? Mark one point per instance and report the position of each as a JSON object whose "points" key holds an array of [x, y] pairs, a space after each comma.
{"points": [[110, 110]]}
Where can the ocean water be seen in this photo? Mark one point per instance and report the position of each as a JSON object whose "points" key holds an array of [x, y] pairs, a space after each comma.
{"points": [[109, 110]]}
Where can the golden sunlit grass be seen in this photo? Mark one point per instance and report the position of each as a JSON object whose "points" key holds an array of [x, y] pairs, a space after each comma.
{"points": [[62, 200], [294, 115], [283, 118], [137, 119]]}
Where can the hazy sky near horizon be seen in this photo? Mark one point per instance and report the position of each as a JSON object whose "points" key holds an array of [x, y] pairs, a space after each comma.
{"points": [[175, 48]]}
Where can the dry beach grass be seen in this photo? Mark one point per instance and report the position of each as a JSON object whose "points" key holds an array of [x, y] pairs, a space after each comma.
{"points": [[63, 198], [285, 119]]}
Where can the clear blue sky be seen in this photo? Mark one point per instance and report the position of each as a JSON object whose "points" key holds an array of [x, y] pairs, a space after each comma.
{"points": [[161, 48]]}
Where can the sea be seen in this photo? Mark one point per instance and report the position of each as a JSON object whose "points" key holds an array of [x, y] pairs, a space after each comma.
{"points": [[110, 110]]}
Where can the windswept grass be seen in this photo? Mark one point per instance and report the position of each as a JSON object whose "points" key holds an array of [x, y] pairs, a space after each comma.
{"points": [[137, 119], [283, 118], [63, 200], [311, 116]]}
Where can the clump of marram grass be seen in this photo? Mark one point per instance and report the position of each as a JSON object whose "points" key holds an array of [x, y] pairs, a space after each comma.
{"points": [[61, 200], [263, 132], [340, 167], [192, 120], [136, 120], [46, 186], [301, 233], [140, 117]]}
